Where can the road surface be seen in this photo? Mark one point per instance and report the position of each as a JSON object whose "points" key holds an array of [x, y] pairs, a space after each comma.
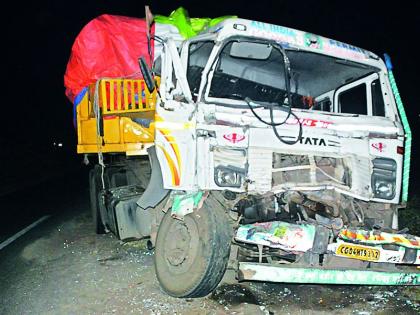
{"points": [[61, 267]]}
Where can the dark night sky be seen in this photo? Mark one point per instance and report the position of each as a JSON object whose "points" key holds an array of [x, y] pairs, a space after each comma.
{"points": [[38, 38]]}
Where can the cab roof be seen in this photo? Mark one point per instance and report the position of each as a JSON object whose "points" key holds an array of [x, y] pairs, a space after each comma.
{"points": [[294, 39]]}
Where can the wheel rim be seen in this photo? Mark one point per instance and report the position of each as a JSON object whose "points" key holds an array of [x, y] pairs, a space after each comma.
{"points": [[181, 245]]}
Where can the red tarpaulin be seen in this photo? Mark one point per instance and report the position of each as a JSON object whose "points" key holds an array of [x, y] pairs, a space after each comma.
{"points": [[108, 46]]}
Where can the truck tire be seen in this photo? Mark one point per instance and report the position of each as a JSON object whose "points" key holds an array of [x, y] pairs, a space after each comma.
{"points": [[191, 256], [94, 189]]}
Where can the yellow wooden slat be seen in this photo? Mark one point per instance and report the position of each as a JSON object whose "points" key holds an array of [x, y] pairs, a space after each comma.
{"points": [[118, 85], [104, 100], [133, 97], [111, 96], [141, 106], [146, 97], [125, 91]]}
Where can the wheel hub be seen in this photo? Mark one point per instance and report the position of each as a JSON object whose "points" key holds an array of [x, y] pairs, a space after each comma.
{"points": [[178, 243]]}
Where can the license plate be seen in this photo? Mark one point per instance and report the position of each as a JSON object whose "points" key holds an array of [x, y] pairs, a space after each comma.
{"points": [[358, 252]]}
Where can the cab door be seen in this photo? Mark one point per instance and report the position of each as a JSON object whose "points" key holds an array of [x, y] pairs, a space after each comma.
{"points": [[175, 123], [360, 97], [366, 100]]}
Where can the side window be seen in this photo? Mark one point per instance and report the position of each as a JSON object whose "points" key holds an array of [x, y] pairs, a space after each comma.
{"points": [[378, 106], [354, 100], [198, 56]]}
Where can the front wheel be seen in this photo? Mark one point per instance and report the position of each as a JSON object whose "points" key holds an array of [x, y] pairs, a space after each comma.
{"points": [[191, 256]]}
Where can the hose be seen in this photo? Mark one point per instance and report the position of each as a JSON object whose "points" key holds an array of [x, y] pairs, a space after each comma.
{"points": [[289, 103]]}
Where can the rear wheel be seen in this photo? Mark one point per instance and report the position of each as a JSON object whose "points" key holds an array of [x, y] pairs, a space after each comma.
{"points": [[95, 188], [191, 256]]}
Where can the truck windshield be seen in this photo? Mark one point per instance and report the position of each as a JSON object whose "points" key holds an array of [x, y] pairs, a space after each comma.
{"points": [[261, 75], [237, 76]]}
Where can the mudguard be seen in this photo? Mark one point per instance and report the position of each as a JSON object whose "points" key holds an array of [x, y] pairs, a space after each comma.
{"points": [[154, 192]]}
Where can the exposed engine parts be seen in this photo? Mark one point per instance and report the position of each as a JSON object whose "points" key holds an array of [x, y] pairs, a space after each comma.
{"points": [[325, 207], [326, 214], [253, 209]]}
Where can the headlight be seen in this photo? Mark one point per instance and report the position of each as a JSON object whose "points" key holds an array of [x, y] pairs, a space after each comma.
{"points": [[229, 166], [228, 176], [383, 178]]}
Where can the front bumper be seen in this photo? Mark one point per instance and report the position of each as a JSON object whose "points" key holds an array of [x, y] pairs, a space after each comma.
{"points": [[274, 273]]}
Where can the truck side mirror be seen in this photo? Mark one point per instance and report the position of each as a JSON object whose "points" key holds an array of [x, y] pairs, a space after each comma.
{"points": [[147, 74]]}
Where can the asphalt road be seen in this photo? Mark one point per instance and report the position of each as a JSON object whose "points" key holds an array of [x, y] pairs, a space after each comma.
{"points": [[62, 267]]}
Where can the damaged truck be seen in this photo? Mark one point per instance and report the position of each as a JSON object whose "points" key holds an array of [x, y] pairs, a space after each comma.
{"points": [[229, 142]]}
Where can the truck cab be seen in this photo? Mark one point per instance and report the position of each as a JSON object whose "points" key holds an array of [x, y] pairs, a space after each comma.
{"points": [[315, 114]]}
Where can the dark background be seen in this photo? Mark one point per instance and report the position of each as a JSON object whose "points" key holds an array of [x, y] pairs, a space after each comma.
{"points": [[37, 39]]}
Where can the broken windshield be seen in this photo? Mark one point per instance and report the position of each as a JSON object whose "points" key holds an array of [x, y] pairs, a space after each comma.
{"points": [[262, 79], [238, 76]]}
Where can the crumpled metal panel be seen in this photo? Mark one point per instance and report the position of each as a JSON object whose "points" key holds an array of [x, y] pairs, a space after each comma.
{"points": [[266, 272], [259, 171]]}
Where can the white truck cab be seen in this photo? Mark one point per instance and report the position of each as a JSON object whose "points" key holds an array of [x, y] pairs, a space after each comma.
{"points": [[236, 75]]}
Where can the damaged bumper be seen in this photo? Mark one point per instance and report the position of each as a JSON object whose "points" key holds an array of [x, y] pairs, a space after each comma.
{"points": [[272, 273], [307, 253], [309, 239]]}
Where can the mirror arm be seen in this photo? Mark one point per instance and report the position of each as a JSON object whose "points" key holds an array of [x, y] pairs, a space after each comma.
{"points": [[149, 77], [147, 74]]}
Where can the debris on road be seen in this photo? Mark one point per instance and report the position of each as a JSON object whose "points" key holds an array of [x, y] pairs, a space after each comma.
{"points": [[97, 274]]}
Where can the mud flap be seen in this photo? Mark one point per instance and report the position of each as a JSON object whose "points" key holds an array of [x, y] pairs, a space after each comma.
{"points": [[186, 203], [154, 192]]}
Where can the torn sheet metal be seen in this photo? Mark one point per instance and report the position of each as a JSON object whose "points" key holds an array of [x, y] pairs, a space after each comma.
{"points": [[184, 204], [379, 238], [266, 272], [400, 255], [277, 234]]}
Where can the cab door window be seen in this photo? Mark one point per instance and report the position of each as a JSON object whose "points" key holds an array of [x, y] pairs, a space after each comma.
{"points": [[378, 105], [199, 53], [354, 100], [361, 97]]}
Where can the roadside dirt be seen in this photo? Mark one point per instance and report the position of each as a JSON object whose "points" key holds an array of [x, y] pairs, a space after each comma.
{"points": [[62, 267]]}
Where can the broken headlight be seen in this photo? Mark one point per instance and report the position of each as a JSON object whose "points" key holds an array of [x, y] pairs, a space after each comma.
{"points": [[384, 178], [228, 176], [229, 166]]}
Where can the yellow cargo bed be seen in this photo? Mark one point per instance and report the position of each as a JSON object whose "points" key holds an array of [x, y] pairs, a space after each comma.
{"points": [[127, 111]]}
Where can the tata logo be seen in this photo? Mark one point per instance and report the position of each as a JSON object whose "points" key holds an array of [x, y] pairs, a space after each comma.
{"points": [[379, 146], [313, 141], [234, 137]]}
